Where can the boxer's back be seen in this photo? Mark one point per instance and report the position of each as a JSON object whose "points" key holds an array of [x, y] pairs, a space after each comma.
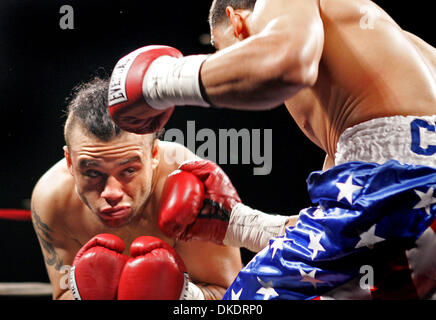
{"points": [[370, 68]]}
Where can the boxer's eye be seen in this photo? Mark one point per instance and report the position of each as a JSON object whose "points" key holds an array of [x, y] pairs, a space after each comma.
{"points": [[128, 172], [92, 174]]}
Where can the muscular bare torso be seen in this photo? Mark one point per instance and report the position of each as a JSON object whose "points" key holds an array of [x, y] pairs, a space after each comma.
{"points": [[370, 68]]}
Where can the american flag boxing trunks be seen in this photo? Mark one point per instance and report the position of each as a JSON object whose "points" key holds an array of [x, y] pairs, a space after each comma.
{"points": [[370, 235]]}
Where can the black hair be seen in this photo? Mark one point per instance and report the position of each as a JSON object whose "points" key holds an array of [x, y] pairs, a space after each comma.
{"points": [[88, 104], [218, 14]]}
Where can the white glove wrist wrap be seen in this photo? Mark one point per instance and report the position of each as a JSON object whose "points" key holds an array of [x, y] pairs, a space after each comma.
{"points": [[190, 291], [253, 229], [173, 81], [72, 283]]}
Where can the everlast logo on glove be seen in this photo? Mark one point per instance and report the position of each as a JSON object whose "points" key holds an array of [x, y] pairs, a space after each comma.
{"points": [[117, 86], [129, 107]]}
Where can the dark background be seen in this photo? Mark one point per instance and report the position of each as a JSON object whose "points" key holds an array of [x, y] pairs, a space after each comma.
{"points": [[40, 63]]}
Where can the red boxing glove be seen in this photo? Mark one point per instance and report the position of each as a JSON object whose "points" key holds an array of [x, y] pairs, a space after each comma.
{"points": [[127, 104], [97, 268], [222, 218], [189, 213], [156, 272], [181, 201]]}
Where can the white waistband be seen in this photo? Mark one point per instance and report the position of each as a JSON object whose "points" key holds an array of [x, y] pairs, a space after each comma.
{"points": [[410, 140]]}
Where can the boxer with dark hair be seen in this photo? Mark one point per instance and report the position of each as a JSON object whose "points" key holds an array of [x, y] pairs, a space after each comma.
{"points": [[85, 108], [97, 211], [363, 90], [218, 14]]}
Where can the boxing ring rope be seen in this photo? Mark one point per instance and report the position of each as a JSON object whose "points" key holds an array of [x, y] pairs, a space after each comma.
{"points": [[25, 289], [15, 214], [16, 289]]}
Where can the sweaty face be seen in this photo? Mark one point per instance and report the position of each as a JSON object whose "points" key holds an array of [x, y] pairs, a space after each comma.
{"points": [[114, 179]]}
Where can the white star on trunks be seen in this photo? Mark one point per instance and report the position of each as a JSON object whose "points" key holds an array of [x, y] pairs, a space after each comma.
{"points": [[426, 200], [315, 243], [369, 239], [309, 277], [267, 289], [347, 189], [277, 245], [235, 296], [319, 212]]}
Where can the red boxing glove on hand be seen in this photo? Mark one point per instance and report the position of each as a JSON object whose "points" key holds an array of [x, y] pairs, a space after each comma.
{"points": [[156, 272], [127, 104], [148, 83], [197, 202], [97, 268]]}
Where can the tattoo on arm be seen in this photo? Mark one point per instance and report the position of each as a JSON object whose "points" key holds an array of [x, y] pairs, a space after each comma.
{"points": [[43, 232]]}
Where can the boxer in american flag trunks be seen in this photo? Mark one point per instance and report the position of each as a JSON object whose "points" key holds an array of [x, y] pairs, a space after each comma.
{"points": [[373, 231], [362, 89]]}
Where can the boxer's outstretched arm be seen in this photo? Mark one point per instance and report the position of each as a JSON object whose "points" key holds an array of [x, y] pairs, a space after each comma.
{"points": [[278, 55], [200, 203], [264, 70]]}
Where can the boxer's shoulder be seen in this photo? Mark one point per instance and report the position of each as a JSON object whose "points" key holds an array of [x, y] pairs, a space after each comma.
{"points": [[171, 156], [54, 190], [349, 11]]}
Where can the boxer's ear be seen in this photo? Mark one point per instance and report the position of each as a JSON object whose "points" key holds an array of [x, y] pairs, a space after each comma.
{"points": [[237, 19], [68, 158], [155, 154]]}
